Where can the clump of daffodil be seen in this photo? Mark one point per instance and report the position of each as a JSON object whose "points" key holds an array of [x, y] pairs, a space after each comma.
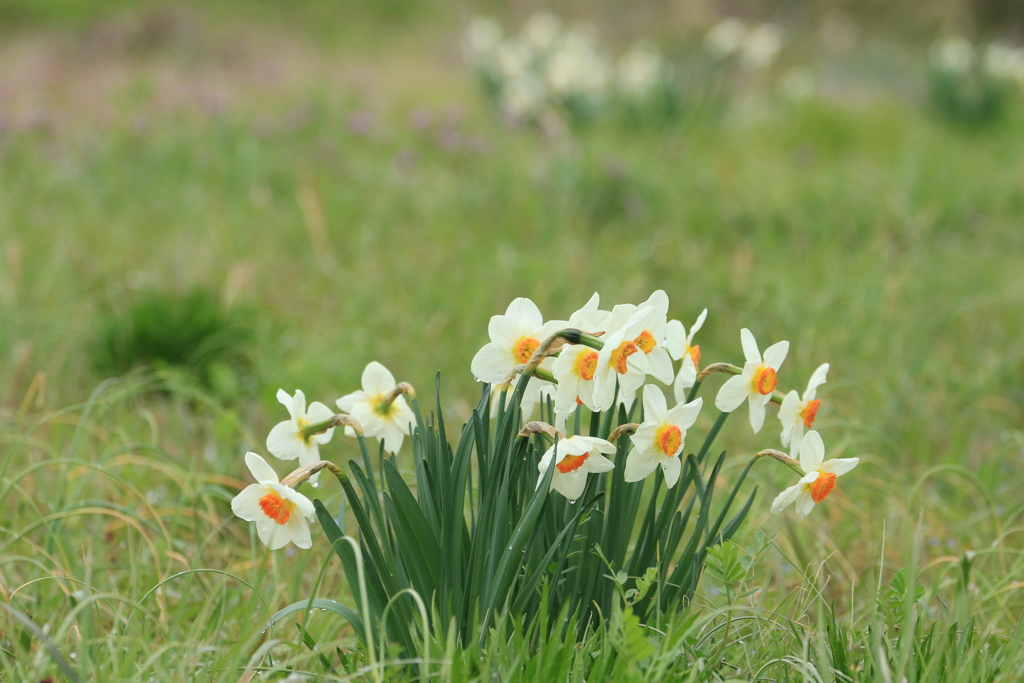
{"points": [[380, 407]]}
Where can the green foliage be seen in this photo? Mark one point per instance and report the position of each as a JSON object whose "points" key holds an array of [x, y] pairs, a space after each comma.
{"points": [[190, 333], [508, 544], [972, 98]]}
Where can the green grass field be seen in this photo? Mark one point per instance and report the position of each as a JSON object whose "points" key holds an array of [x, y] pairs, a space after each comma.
{"points": [[357, 204]]}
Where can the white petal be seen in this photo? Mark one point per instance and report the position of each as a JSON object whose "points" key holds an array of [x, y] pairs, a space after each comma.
{"points": [[789, 411], [285, 399], [298, 404], [685, 414], [525, 313], [347, 403], [639, 465], [733, 393], [675, 339], [775, 354], [671, 468], [660, 365], [654, 404], [275, 536], [592, 443], [284, 442], [492, 363], [570, 485], [757, 412], [697, 325], [804, 504], [261, 471], [247, 503], [839, 466], [812, 451], [504, 332], [300, 533], [795, 439], [750, 352], [817, 379], [377, 379], [597, 463], [317, 413], [685, 378]]}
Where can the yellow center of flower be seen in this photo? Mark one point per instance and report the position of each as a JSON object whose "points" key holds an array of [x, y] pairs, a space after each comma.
{"points": [[524, 348], [669, 439], [809, 412], [645, 342], [276, 507], [571, 463], [694, 352], [381, 408], [764, 380], [302, 423], [822, 486], [586, 365], [622, 354]]}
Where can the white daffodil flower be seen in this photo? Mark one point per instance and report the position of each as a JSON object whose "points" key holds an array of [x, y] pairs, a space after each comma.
{"points": [[514, 337], [389, 422], [622, 359], [282, 514], [757, 382], [819, 478], [659, 439], [651, 338], [796, 413], [576, 364], [286, 440], [681, 347], [577, 456]]}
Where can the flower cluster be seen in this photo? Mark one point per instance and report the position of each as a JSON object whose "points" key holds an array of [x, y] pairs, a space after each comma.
{"points": [[281, 513], [599, 359], [974, 84], [549, 69], [755, 47], [997, 60]]}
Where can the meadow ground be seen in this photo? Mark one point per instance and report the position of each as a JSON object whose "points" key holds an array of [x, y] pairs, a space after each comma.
{"points": [[358, 205]]}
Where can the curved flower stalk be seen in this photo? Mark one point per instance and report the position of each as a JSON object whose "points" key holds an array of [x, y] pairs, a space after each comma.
{"points": [[819, 478], [681, 347], [756, 383], [796, 413], [660, 438], [577, 456], [380, 407], [281, 513]]}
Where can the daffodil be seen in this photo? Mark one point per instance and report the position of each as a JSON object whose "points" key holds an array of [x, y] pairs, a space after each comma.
{"points": [[757, 381], [796, 413], [576, 364], [659, 439], [819, 478], [577, 457], [651, 337], [287, 439], [622, 359], [514, 337], [282, 514], [379, 408], [681, 347]]}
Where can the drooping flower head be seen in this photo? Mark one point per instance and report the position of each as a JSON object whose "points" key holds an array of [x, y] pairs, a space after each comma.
{"points": [[281, 513], [798, 413], [757, 381], [380, 412], [660, 438], [573, 459], [819, 478], [576, 364], [287, 441], [681, 347]]}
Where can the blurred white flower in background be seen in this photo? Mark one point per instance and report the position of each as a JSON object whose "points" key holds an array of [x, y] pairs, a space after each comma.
{"points": [[481, 40], [761, 46], [726, 38], [541, 31], [639, 71], [954, 54]]}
